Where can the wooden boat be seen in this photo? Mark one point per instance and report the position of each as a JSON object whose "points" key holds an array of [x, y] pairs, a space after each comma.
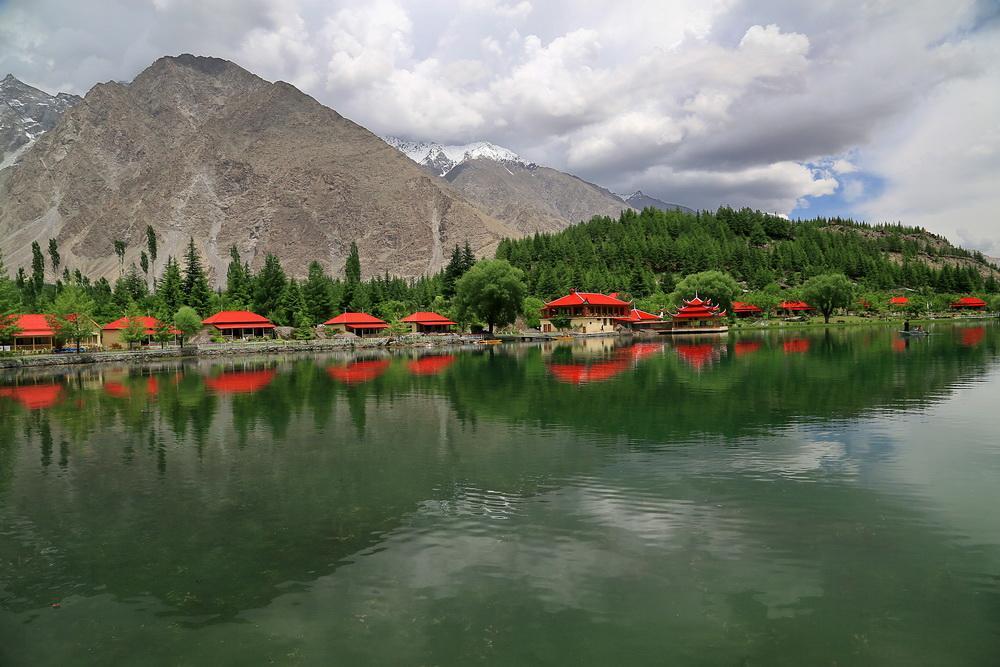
{"points": [[913, 333]]}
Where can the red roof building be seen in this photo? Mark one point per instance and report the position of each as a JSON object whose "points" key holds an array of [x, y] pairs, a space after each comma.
{"points": [[795, 307], [428, 322], [898, 301], [698, 315], [240, 324], [638, 319], [35, 333], [588, 312], [741, 309], [969, 303], [111, 334], [359, 324]]}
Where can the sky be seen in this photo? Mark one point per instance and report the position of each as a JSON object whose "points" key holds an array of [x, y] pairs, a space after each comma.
{"points": [[879, 110]]}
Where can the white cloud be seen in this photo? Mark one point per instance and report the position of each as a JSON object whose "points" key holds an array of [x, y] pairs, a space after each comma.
{"points": [[698, 101]]}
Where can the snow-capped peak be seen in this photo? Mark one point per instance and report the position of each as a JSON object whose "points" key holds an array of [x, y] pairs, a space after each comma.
{"points": [[443, 158]]}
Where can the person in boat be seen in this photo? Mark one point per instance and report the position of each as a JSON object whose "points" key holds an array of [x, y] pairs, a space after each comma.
{"points": [[906, 325]]}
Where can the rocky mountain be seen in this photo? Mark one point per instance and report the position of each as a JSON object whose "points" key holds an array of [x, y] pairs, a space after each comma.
{"points": [[528, 197], [25, 114], [639, 200], [200, 147]]}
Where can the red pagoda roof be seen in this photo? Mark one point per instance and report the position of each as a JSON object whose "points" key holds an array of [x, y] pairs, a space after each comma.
{"points": [[430, 365], [740, 307], [358, 371], [586, 299], [795, 305], [969, 302], [426, 317], [358, 321], [636, 315], [238, 319], [149, 323], [240, 382], [698, 309], [898, 301], [34, 396]]}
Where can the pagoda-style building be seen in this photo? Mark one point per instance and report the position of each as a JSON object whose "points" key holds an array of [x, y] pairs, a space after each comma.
{"points": [[698, 316], [587, 312]]}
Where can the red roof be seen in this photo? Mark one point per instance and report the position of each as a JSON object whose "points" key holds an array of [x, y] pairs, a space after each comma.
{"points": [[150, 325], [586, 299], [33, 325], [969, 302], [359, 371], [34, 396], [240, 382], [238, 319], [431, 365], [898, 301], [358, 321], [740, 307], [794, 305], [698, 309], [636, 315], [425, 317]]}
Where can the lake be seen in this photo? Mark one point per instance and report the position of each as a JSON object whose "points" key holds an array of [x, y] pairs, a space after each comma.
{"points": [[787, 498]]}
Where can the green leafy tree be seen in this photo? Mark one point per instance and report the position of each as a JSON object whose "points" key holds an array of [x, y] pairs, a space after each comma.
{"points": [[70, 318], [144, 264], [37, 268], [493, 291], [197, 293], [187, 321], [163, 333], [720, 287], [531, 311], [269, 286], [827, 292], [54, 257], [151, 248], [120, 248]]}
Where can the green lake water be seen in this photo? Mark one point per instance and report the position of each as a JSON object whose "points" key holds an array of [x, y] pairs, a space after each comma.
{"points": [[794, 498]]}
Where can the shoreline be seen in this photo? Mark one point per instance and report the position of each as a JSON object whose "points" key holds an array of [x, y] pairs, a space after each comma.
{"points": [[413, 341]]}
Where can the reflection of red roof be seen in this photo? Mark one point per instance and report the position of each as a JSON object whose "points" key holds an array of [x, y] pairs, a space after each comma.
{"points": [[698, 354], [796, 345], [358, 371], [428, 318], [240, 382], [430, 365], [898, 345], [116, 389], [969, 302], [152, 386], [795, 305], [972, 336], [898, 301], [741, 308], [698, 309], [584, 373], [586, 299], [238, 319], [744, 347], [150, 325], [358, 321], [642, 350], [636, 315], [34, 396], [32, 325]]}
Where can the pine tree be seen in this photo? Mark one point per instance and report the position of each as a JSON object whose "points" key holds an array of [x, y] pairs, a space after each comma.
{"points": [[352, 277], [170, 290], [37, 268], [316, 291], [54, 256], [151, 246], [237, 280], [452, 272], [269, 286], [197, 293]]}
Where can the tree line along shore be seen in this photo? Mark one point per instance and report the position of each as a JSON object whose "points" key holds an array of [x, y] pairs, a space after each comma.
{"points": [[653, 259]]}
